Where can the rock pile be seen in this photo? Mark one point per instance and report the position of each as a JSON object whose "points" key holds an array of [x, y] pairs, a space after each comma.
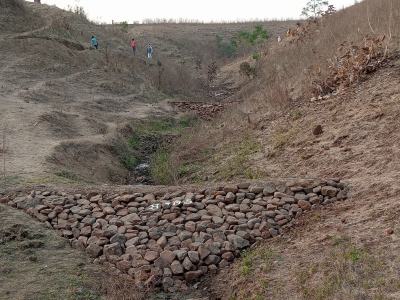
{"points": [[164, 238]]}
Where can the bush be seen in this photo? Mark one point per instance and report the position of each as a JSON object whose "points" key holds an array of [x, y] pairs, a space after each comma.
{"points": [[246, 69]]}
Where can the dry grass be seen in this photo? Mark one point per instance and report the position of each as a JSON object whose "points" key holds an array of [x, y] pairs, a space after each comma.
{"points": [[286, 72], [43, 261], [176, 78], [115, 286], [316, 262], [321, 42]]}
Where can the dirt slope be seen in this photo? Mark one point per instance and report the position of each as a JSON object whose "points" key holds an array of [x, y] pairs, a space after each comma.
{"points": [[35, 258], [359, 144], [53, 93], [62, 101]]}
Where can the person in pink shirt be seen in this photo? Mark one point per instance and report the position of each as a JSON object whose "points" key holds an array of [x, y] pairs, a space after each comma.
{"points": [[133, 45]]}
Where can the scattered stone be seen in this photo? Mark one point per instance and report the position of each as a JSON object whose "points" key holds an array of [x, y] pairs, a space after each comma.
{"points": [[317, 130]]}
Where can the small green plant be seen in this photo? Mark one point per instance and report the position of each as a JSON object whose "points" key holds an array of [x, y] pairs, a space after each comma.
{"points": [[130, 162], [297, 115], [237, 160], [124, 26], [251, 260], [256, 56], [245, 271], [247, 70], [354, 255], [316, 218], [228, 49], [257, 36], [134, 141], [256, 174]]}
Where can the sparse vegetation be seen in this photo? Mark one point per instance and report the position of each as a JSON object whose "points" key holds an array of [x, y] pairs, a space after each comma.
{"points": [[29, 251], [247, 70], [348, 271], [124, 26], [261, 257]]}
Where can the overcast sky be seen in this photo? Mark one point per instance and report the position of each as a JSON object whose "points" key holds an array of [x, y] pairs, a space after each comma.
{"points": [[204, 10]]}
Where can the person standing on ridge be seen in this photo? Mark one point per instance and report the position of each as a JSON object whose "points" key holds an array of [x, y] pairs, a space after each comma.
{"points": [[95, 43], [133, 45], [149, 51]]}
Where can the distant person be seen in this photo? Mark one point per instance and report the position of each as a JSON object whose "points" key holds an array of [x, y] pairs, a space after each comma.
{"points": [[279, 38], [95, 43], [149, 51], [133, 45]]}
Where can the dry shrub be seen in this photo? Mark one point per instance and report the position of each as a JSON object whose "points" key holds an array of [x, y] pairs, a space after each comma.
{"points": [[190, 148], [117, 31], [348, 68], [297, 62], [118, 287], [176, 78], [60, 23]]}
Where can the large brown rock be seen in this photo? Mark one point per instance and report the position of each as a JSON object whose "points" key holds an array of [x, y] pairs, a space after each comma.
{"points": [[151, 255], [123, 265], [165, 259], [112, 249], [305, 205], [131, 218], [317, 130], [193, 217], [230, 188], [192, 275], [329, 191], [188, 265], [214, 210], [194, 256], [177, 268], [94, 250], [239, 242]]}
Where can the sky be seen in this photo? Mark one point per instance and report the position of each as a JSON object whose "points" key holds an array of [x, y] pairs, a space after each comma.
{"points": [[105, 11]]}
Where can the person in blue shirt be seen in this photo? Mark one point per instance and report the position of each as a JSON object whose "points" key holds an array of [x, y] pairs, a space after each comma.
{"points": [[149, 51], [95, 43]]}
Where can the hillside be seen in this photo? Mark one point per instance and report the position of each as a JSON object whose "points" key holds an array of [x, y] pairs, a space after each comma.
{"points": [[76, 120], [74, 101]]}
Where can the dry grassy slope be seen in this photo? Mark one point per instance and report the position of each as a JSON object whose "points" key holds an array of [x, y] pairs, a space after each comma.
{"points": [[359, 144], [194, 41], [344, 252], [35, 263], [53, 94]]}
